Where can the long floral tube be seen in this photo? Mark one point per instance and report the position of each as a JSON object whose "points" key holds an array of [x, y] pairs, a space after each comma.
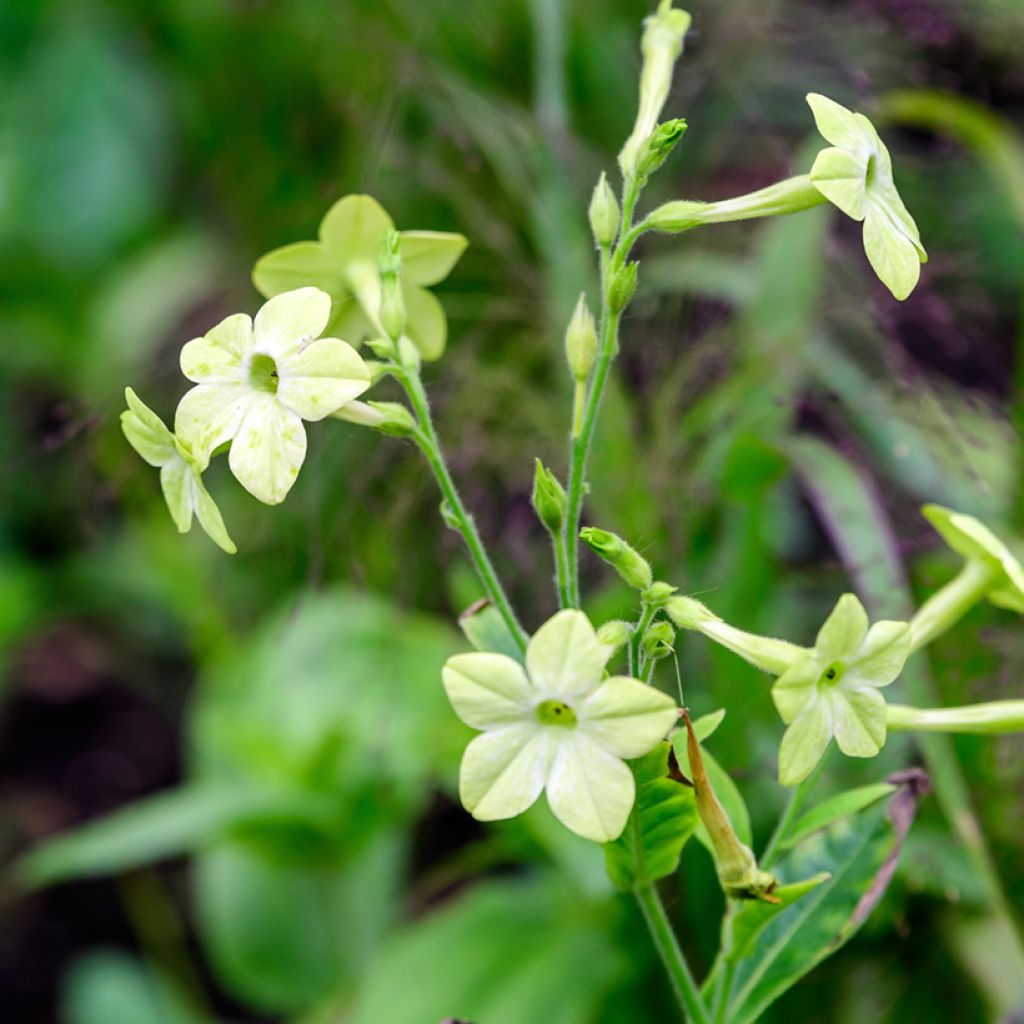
{"points": [[992, 717]]}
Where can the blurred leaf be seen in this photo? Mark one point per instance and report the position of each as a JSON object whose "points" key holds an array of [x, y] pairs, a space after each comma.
{"points": [[485, 629], [663, 818], [835, 808], [987, 949], [505, 953]]}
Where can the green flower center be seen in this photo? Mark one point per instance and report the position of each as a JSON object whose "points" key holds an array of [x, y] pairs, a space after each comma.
{"points": [[869, 172], [263, 373], [554, 712], [832, 675]]}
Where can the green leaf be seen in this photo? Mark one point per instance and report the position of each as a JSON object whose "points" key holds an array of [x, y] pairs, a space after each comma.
{"points": [[835, 808], [507, 952], [725, 789], [485, 629], [662, 820], [706, 725], [753, 915], [166, 825]]}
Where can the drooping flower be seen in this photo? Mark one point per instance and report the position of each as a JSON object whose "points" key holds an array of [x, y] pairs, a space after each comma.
{"points": [[180, 471], [856, 175], [833, 689], [344, 263], [554, 726], [257, 380]]}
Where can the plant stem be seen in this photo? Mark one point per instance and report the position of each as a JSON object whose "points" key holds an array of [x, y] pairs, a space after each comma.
{"points": [[949, 604], [637, 657], [672, 957], [797, 796], [427, 440], [608, 345]]}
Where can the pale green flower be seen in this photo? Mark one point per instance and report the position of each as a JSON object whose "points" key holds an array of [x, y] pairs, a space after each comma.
{"points": [[555, 726], [180, 470], [258, 380], [344, 263], [833, 689], [856, 175]]}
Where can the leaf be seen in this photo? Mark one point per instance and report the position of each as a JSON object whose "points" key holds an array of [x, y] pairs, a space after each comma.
{"points": [[507, 952], [166, 825], [485, 629], [860, 854], [663, 818], [842, 805], [706, 725], [725, 789]]}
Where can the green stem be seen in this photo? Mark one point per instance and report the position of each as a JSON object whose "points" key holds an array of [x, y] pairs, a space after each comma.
{"points": [[949, 604], [608, 345], [992, 717], [672, 957], [561, 570], [797, 796], [638, 659], [427, 440]]}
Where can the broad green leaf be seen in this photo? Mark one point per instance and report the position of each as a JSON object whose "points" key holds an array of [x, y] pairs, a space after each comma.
{"points": [[663, 818], [506, 952], [485, 629], [166, 825], [753, 915], [842, 805], [725, 789], [706, 725]]}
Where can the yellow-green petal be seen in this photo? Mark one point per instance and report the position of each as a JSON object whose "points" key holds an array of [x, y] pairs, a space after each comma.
{"points": [[219, 356], [296, 266], [176, 484], [627, 716], [893, 255], [859, 721], [290, 320], [146, 432], [503, 771], [840, 176], [353, 230], [804, 742], [428, 256], [882, 655], [426, 323], [564, 658], [209, 415], [837, 124], [321, 378], [268, 450], [844, 630], [487, 690]]}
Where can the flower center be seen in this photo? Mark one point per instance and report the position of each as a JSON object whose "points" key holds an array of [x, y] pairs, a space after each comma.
{"points": [[554, 712], [832, 675], [263, 373], [869, 172]]}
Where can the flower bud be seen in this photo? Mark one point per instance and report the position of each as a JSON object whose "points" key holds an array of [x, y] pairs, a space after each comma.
{"points": [[409, 354], [658, 593], [392, 301], [549, 499], [396, 419], [384, 348], [614, 634], [581, 341], [604, 213], [655, 149], [621, 287], [659, 640], [629, 564]]}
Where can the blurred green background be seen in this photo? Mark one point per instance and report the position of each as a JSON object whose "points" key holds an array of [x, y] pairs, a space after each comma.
{"points": [[775, 422]]}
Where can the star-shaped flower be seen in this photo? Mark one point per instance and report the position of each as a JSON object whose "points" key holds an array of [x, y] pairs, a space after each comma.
{"points": [[833, 689], [555, 726], [180, 471], [258, 380], [856, 176], [344, 263]]}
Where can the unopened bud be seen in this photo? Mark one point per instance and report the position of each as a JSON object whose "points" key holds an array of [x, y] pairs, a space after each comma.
{"points": [[654, 151], [614, 634], [549, 498], [409, 354], [604, 213], [384, 348], [622, 287], [627, 562], [659, 640], [581, 340], [658, 593], [396, 419], [392, 301]]}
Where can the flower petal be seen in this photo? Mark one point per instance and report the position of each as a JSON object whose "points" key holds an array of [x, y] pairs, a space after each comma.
{"points": [[892, 254], [176, 483], [290, 320], [627, 716], [840, 176], [590, 790], [564, 659], [348, 321], [209, 516], [881, 657], [297, 266], [321, 378], [210, 414], [796, 688], [219, 356], [268, 449], [487, 690], [503, 771], [425, 321], [844, 630], [859, 721], [804, 742], [146, 432], [428, 256], [836, 124], [353, 230]]}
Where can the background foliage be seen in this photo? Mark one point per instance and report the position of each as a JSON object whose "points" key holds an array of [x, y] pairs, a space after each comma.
{"points": [[768, 390]]}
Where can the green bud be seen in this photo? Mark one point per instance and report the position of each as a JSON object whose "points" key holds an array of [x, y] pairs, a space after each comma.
{"points": [[614, 634], [629, 564], [658, 593], [604, 213], [384, 348], [451, 520], [621, 287], [377, 369], [657, 147], [581, 340], [549, 499], [396, 419], [392, 301], [409, 354], [659, 640]]}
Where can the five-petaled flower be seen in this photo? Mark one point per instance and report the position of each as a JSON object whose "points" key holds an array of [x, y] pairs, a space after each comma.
{"points": [[833, 689], [856, 175], [257, 380], [555, 726], [180, 470]]}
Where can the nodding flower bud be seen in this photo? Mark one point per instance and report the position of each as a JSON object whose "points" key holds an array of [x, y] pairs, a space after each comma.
{"points": [[396, 419], [621, 287], [392, 302], [549, 499], [614, 634], [738, 873], [629, 564], [658, 593], [659, 640], [604, 213], [581, 341], [655, 149]]}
